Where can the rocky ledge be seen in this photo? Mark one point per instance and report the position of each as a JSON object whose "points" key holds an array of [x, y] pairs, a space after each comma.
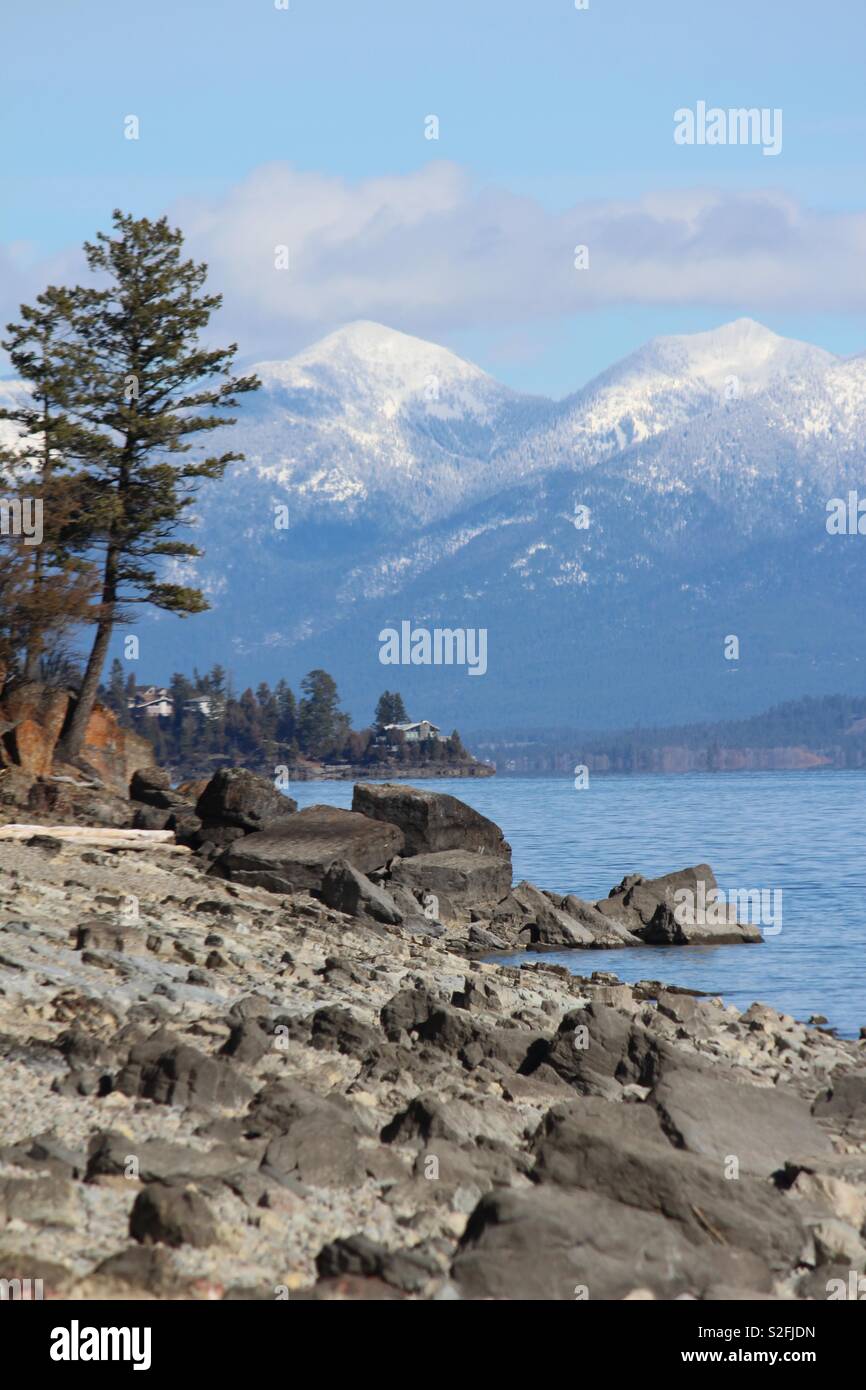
{"points": [[265, 1068]]}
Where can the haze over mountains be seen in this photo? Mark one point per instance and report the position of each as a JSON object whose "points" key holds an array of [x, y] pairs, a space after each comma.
{"points": [[608, 542]]}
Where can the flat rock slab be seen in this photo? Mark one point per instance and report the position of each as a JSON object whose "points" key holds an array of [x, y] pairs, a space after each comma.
{"points": [[550, 1244], [720, 1118], [430, 821], [845, 1099], [300, 848], [459, 877], [612, 1156]]}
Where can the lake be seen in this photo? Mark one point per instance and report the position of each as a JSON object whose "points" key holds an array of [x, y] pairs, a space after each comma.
{"points": [[801, 832]]}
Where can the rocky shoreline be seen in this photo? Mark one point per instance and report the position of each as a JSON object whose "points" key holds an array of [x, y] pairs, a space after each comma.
{"points": [[268, 1060], [357, 772]]}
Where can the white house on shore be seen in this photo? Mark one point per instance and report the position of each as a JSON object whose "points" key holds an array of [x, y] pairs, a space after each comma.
{"points": [[418, 731], [155, 701], [152, 700]]}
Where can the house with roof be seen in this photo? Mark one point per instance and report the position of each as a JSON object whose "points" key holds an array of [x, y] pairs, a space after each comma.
{"points": [[153, 701], [157, 702], [418, 731]]}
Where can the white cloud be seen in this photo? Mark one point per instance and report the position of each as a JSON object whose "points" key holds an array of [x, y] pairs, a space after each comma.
{"points": [[433, 252]]}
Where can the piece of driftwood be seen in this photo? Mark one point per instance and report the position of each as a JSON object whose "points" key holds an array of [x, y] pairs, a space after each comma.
{"points": [[104, 837]]}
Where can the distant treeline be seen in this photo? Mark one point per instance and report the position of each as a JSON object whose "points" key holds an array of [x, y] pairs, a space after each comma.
{"points": [[831, 729], [210, 724]]}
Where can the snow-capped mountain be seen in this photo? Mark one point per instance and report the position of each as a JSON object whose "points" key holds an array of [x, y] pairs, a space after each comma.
{"points": [[608, 542], [371, 421], [704, 462], [667, 384]]}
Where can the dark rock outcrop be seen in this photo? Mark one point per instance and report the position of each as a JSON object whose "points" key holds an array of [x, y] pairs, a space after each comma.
{"points": [[171, 1216], [710, 1113], [459, 879], [845, 1099], [598, 1148], [170, 1072], [299, 849], [674, 910], [557, 1245], [430, 821], [348, 890], [235, 803]]}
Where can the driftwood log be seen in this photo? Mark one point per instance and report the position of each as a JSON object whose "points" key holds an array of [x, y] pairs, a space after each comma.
{"points": [[100, 838]]}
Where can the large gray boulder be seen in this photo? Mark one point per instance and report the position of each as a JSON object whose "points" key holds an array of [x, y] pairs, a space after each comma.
{"points": [[347, 890], [297, 851], [655, 911], [599, 1049], [171, 1216], [633, 902], [458, 878], [546, 920], [430, 821], [600, 1148], [539, 921], [708, 1113], [844, 1100], [605, 931], [670, 928], [556, 1245], [242, 800], [168, 1071]]}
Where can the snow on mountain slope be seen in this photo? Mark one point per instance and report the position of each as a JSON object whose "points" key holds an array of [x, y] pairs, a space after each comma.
{"points": [[665, 384], [373, 371], [743, 350], [801, 434], [373, 421]]}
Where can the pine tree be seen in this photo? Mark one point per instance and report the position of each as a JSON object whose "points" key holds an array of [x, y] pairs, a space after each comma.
{"points": [[390, 710], [456, 752], [286, 724], [136, 382], [322, 726], [54, 584], [115, 694]]}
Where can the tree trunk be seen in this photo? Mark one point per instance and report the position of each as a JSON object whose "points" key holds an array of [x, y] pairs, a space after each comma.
{"points": [[74, 736], [35, 638], [73, 739]]}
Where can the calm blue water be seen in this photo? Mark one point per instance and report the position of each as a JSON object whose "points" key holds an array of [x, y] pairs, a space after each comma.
{"points": [[801, 832]]}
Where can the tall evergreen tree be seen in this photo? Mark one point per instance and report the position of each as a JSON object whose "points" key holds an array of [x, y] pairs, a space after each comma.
{"points": [[322, 726], [54, 583], [115, 693], [286, 723], [390, 709], [136, 383]]}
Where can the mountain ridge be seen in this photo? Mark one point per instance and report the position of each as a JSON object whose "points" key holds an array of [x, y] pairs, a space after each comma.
{"points": [[678, 497]]}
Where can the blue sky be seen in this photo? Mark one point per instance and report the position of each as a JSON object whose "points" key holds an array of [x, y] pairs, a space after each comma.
{"points": [[555, 128]]}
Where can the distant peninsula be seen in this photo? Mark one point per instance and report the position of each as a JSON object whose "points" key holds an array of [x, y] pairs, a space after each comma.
{"points": [[199, 724], [816, 732]]}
